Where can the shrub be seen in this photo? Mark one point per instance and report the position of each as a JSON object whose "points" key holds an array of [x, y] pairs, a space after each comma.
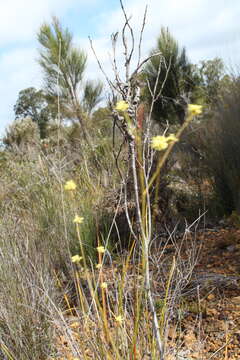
{"points": [[218, 140], [26, 331], [22, 134]]}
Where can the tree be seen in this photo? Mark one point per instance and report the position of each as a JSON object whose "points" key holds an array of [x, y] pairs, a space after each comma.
{"points": [[64, 65], [173, 73], [33, 103], [212, 73]]}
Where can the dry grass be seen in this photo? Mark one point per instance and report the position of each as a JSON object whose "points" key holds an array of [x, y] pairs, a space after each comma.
{"points": [[46, 300]]}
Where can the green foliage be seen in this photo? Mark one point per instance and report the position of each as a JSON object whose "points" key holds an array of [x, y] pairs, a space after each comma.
{"points": [[220, 145], [63, 66], [173, 74], [102, 121], [21, 134], [234, 219], [33, 103], [212, 72], [92, 95], [212, 78]]}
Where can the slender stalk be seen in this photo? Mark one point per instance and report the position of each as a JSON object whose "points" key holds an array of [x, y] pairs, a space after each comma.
{"points": [[165, 156], [145, 255], [167, 293]]}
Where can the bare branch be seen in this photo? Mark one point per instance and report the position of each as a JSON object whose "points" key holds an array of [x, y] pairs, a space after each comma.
{"points": [[114, 38], [110, 83], [142, 63], [128, 56], [141, 36], [165, 79]]}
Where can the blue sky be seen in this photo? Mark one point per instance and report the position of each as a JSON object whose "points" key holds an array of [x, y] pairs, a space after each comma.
{"points": [[207, 29]]}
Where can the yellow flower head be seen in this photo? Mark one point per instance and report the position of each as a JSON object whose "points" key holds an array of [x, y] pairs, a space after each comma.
{"points": [[194, 109], [98, 266], [103, 285], [171, 138], [159, 142], [76, 258], [122, 106], [74, 325], [70, 185], [78, 219], [101, 249], [119, 319]]}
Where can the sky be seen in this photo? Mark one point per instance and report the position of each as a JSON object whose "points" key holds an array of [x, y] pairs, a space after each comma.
{"points": [[206, 28]]}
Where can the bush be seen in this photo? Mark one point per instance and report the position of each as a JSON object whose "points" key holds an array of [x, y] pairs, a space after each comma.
{"points": [[26, 331], [221, 147], [22, 134]]}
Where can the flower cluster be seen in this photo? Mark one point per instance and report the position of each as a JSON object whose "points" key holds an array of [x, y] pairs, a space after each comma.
{"points": [[70, 185], [76, 258], [122, 106], [161, 142], [100, 249], [119, 319], [78, 219], [194, 109], [103, 285]]}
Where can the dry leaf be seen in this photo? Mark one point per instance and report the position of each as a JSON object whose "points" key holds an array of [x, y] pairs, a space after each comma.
{"points": [[211, 296]]}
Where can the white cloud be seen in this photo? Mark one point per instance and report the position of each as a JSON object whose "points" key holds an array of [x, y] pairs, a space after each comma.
{"points": [[20, 19], [207, 29], [194, 23]]}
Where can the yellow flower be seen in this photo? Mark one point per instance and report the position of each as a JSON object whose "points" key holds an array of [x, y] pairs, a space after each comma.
{"points": [[70, 185], [98, 266], [103, 285], [171, 138], [122, 106], [78, 219], [75, 325], [194, 109], [76, 258], [159, 142], [100, 249], [119, 319]]}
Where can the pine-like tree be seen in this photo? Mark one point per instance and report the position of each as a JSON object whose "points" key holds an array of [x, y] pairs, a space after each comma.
{"points": [[173, 73], [63, 66]]}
